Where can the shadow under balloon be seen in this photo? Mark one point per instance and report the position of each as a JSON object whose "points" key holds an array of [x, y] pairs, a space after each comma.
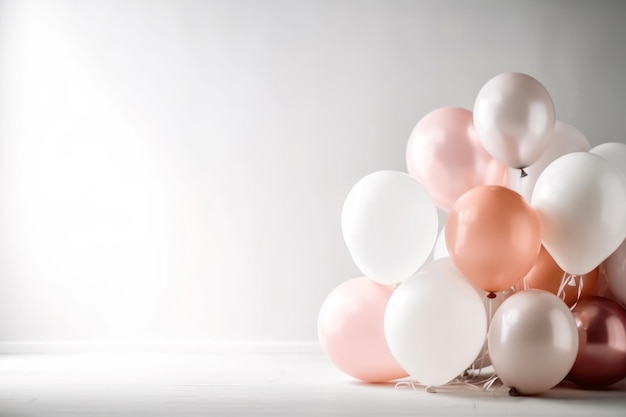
{"points": [[376, 385], [565, 391]]}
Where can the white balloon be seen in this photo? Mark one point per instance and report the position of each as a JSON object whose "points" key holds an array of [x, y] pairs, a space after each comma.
{"points": [[563, 139], [441, 249], [613, 152], [435, 324], [513, 113], [581, 202], [389, 223]]}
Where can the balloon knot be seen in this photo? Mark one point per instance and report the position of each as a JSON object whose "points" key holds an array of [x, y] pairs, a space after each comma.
{"points": [[491, 295], [523, 174], [513, 392]]}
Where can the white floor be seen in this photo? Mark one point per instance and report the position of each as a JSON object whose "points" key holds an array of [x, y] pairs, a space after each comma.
{"points": [[247, 385]]}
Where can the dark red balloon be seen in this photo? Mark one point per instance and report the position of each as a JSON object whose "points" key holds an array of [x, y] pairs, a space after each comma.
{"points": [[601, 359]]}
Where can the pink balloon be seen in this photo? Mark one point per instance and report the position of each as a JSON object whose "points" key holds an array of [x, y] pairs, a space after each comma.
{"points": [[445, 155], [351, 331]]}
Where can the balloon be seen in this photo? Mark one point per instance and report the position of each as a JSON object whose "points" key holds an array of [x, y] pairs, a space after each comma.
{"points": [[581, 200], [351, 331], [513, 114], [601, 359], [546, 275], [390, 225], [533, 341], [445, 155], [563, 139], [613, 152], [440, 250], [493, 237], [435, 324], [615, 272]]}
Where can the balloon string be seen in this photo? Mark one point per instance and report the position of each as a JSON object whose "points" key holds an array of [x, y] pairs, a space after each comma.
{"points": [[520, 186], [565, 281], [581, 283], [561, 292], [467, 380]]}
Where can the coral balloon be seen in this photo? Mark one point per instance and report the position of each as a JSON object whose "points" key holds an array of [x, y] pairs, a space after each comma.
{"points": [[513, 114], [547, 275], [445, 155], [493, 237], [351, 331], [601, 359], [533, 341]]}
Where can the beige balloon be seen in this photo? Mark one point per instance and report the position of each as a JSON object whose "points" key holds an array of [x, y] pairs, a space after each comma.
{"points": [[513, 114], [533, 341]]}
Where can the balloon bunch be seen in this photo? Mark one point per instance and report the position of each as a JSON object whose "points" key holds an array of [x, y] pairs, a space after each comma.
{"points": [[536, 223]]}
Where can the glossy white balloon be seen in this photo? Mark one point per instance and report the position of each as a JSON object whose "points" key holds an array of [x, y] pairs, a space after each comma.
{"points": [[533, 341], [435, 324], [613, 152], [563, 139], [580, 199], [513, 114], [389, 223]]}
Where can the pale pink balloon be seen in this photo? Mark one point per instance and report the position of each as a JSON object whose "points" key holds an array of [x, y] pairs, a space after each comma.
{"points": [[444, 153], [351, 331]]}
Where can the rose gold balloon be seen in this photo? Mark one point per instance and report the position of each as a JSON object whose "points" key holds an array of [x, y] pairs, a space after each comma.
{"points": [[445, 155], [601, 359], [493, 237], [547, 275]]}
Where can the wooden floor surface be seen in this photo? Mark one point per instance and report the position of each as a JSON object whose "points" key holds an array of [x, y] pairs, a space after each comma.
{"points": [[248, 385]]}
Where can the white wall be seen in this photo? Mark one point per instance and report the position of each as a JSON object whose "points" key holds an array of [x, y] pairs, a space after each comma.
{"points": [[175, 170]]}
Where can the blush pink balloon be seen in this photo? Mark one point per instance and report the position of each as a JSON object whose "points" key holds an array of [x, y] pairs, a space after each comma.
{"points": [[351, 331], [444, 153]]}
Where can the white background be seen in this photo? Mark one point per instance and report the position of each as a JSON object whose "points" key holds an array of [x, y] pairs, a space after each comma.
{"points": [[175, 170]]}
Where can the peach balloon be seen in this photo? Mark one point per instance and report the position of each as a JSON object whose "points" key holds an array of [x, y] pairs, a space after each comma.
{"points": [[445, 155], [547, 275], [493, 237], [351, 331]]}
